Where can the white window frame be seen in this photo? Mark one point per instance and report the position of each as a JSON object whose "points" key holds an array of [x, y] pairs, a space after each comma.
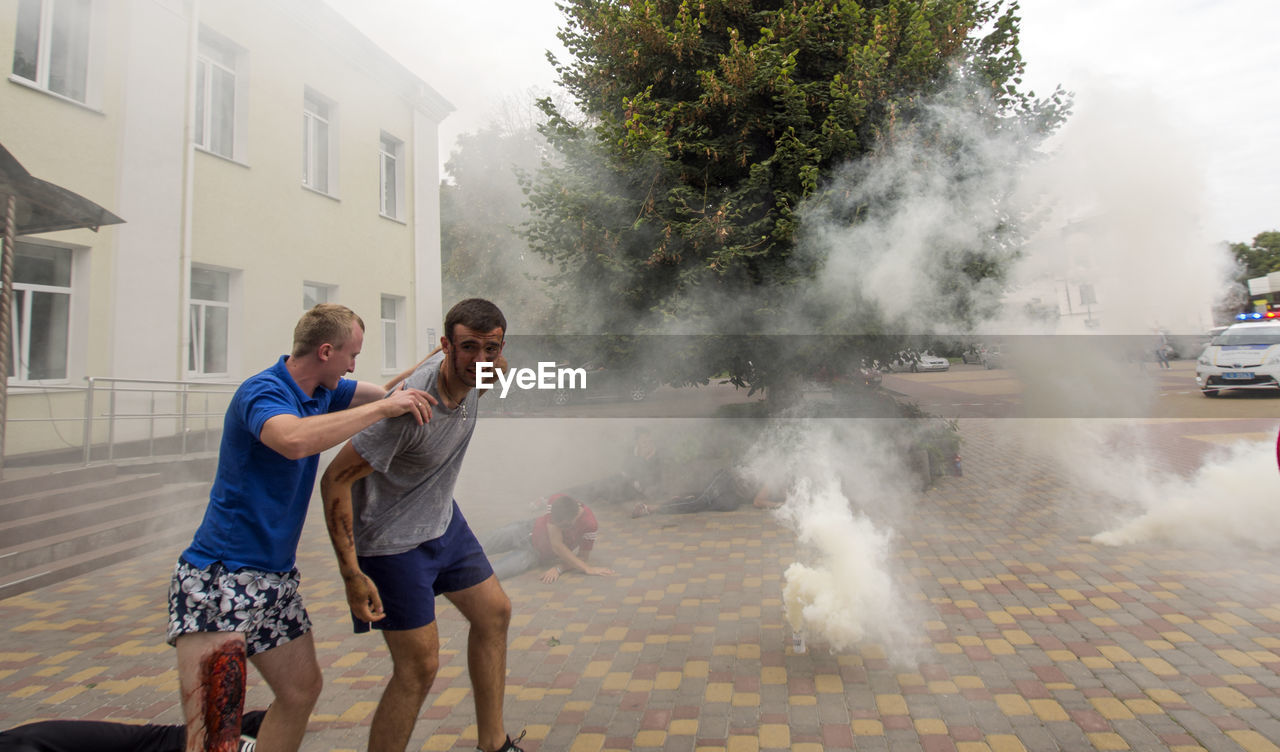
{"points": [[391, 160], [89, 54], [319, 160], [20, 334], [393, 331], [319, 292], [198, 310], [216, 53]]}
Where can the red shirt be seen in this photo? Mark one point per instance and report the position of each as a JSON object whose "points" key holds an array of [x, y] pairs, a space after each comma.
{"points": [[579, 536]]}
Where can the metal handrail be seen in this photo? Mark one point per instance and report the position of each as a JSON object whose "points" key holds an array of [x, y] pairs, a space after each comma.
{"points": [[193, 408]]}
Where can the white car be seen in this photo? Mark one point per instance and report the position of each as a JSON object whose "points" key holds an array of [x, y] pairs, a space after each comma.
{"points": [[924, 361], [1243, 356]]}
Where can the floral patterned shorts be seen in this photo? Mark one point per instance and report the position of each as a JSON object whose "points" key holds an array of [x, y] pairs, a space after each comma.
{"points": [[264, 606]]}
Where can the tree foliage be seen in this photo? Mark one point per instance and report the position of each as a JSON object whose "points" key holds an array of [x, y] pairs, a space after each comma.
{"points": [[1259, 258], [711, 122]]}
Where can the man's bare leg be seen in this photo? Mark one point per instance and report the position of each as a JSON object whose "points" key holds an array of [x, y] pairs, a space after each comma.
{"points": [[415, 658], [211, 677], [292, 672], [488, 610]]}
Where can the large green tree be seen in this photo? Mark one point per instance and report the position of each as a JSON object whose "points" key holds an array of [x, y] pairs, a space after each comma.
{"points": [[1259, 258], [710, 125]]}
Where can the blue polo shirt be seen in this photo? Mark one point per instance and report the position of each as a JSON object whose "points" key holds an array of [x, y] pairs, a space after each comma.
{"points": [[259, 499]]}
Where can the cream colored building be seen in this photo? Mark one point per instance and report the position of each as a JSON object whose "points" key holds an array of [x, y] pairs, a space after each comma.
{"points": [[264, 156]]}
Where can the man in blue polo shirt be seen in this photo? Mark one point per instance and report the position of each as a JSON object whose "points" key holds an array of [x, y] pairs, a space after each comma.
{"points": [[234, 593]]}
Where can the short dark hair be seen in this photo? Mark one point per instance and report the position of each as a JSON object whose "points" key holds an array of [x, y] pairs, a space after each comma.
{"points": [[474, 313], [325, 323], [563, 509]]}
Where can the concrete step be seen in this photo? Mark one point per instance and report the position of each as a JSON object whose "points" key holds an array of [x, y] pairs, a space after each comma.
{"points": [[59, 521], [35, 480], [169, 517], [45, 501]]}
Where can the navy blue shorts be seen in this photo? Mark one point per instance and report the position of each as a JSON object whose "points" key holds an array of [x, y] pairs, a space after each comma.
{"points": [[408, 583]]}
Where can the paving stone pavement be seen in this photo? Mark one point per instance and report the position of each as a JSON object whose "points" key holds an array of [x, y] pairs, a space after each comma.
{"points": [[1029, 638]]}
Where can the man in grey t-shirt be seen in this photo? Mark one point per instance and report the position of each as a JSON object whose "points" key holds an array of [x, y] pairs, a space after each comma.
{"points": [[401, 539]]}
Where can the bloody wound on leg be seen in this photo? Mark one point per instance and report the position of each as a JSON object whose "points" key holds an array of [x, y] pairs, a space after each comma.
{"points": [[222, 676]]}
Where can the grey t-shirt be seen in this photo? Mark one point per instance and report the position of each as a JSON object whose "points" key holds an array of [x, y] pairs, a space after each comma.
{"points": [[408, 499]]}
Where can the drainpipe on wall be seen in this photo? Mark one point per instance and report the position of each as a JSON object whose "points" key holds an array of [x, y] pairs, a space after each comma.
{"points": [[188, 189]]}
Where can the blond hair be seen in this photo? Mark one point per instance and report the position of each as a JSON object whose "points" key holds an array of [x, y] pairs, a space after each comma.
{"points": [[326, 323]]}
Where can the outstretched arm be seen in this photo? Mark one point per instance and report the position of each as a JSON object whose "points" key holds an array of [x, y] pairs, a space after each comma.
{"points": [[568, 559], [335, 490], [296, 437]]}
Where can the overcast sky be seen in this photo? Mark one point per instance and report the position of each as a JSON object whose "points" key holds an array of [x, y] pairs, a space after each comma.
{"points": [[1209, 63]]}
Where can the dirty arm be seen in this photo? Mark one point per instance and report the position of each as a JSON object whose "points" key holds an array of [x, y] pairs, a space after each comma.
{"points": [[335, 491]]}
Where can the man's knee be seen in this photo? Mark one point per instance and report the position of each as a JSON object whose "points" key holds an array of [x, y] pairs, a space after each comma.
{"points": [[303, 688], [496, 614], [417, 674]]}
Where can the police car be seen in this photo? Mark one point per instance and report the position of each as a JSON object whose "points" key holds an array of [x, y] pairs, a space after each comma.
{"points": [[1244, 356]]}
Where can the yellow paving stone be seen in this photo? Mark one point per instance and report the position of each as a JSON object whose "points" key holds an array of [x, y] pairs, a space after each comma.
{"points": [[1011, 704], [17, 657], [873, 652], [651, 738], [640, 685], [1215, 626], [615, 680], [1060, 656], [1106, 740], [62, 657], [579, 706], [1111, 708], [748, 652], [1237, 658], [746, 700], [1230, 698], [719, 692], [966, 604], [943, 688], [87, 673], [1005, 743], [50, 671], [353, 658], [930, 726], [828, 684], [683, 727], [972, 747], [970, 641], [1263, 656], [1187, 748], [440, 743], [1104, 603], [696, 669], [1096, 662], [57, 698], [1144, 707], [1000, 647], [1270, 643], [1048, 710], [1159, 666], [1165, 696], [452, 696], [668, 680], [910, 680], [774, 736], [615, 634], [522, 643], [448, 672], [596, 669], [1104, 621], [1158, 645], [531, 694], [1239, 679], [891, 704], [1018, 637], [969, 682], [1252, 741], [1226, 617], [803, 700], [867, 727], [631, 647], [1043, 611], [742, 743], [1116, 654], [1177, 636], [948, 648], [88, 637], [358, 712], [708, 749], [587, 743], [773, 675], [725, 650], [1067, 594]]}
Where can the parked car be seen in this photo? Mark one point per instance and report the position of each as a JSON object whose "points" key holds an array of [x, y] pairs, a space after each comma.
{"points": [[607, 384], [972, 354], [916, 362], [1243, 356], [992, 357]]}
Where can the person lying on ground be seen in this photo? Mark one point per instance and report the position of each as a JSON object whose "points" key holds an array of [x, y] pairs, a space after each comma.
{"points": [[728, 490], [106, 736], [550, 539]]}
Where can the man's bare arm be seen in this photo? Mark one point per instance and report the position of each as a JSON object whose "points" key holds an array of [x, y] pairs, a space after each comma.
{"points": [[296, 437], [335, 490]]}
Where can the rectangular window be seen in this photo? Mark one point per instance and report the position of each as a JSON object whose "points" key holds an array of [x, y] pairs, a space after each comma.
{"points": [[316, 141], [391, 186], [1087, 295], [314, 293], [51, 45], [215, 120], [41, 313], [210, 318], [392, 331]]}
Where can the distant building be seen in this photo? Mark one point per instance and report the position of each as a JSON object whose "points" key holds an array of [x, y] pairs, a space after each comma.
{"points": [[264, 155]]}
